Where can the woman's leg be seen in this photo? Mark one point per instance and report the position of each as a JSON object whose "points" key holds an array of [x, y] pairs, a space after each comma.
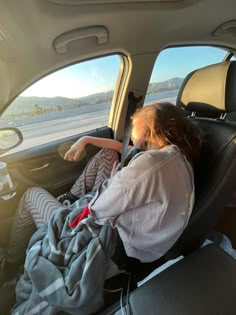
{"points": [[37, 205], [35, 208], [96, 171]]}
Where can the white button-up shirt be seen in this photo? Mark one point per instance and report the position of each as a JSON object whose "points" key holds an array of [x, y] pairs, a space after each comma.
{"points": [[149, 201]]}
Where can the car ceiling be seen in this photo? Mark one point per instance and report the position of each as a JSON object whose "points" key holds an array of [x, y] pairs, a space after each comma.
{"points": [[29, 28]]}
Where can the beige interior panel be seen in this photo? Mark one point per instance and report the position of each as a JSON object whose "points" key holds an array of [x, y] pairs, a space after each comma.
{"points": [[133, 28]]}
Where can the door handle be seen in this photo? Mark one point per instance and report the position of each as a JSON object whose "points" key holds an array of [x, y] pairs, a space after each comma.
{"points": [[40, 168], [62, 41]]}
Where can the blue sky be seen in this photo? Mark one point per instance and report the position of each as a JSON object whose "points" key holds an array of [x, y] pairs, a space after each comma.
{"points": [[79, 80], [100, 75], [178, 62]]}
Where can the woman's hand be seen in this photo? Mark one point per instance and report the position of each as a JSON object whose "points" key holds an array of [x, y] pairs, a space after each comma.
{"points": [[75, 150]]}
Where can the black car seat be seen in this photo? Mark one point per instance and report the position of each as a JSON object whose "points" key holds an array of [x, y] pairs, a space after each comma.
{"points": [[206, 95], [210, 92]]}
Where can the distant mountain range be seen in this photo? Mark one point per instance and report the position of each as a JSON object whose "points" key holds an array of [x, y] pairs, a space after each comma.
{"points": [[168, 85], [25, 106]]}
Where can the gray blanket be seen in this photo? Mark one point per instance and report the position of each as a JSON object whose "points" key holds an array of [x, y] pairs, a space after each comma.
{"points": [[65, 268]]}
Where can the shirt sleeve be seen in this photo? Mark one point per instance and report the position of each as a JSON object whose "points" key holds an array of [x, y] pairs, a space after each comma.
{"points": [[121, 192]]}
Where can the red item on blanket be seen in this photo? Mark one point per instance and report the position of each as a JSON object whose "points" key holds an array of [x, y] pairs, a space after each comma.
{"points": [[80, 217]]}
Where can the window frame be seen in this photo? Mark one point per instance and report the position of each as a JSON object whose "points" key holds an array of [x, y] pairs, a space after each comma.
{"points": [[228, 54], [121, 76]]}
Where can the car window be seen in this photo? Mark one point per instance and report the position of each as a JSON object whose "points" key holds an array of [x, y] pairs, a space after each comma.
{"points": [[70, 101], [172, 66]]}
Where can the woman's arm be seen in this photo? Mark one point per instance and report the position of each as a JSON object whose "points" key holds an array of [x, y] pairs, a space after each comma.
{"points": [[124, 191], [76, 149]]}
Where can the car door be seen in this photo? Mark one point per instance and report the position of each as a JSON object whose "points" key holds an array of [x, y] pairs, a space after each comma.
{"points": [[52, 114]]}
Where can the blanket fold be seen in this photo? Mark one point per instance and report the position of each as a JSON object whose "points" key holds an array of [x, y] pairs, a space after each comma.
{"points": [[65, 268]]}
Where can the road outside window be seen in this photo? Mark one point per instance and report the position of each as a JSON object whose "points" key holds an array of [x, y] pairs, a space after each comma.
{"points": [[173, 65], [70, 101]]}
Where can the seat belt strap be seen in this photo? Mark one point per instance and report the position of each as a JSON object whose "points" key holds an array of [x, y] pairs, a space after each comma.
{"points": [[132, 105]]}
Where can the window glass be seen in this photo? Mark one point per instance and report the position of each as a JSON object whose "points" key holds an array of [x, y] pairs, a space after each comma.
{"points": [[70, 101], [172, 66]]}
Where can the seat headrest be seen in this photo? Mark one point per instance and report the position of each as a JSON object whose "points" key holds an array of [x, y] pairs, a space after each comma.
{"points": [[210, 89]]}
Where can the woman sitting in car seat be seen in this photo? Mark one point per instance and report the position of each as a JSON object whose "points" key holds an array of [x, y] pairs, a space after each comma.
{"points": [[149, 201]]}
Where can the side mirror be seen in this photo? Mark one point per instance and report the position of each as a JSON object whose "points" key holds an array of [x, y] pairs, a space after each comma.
{"points": [[9, 138]]}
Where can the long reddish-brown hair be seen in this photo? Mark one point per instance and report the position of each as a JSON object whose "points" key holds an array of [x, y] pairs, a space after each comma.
{"points": [[166, 122]]}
